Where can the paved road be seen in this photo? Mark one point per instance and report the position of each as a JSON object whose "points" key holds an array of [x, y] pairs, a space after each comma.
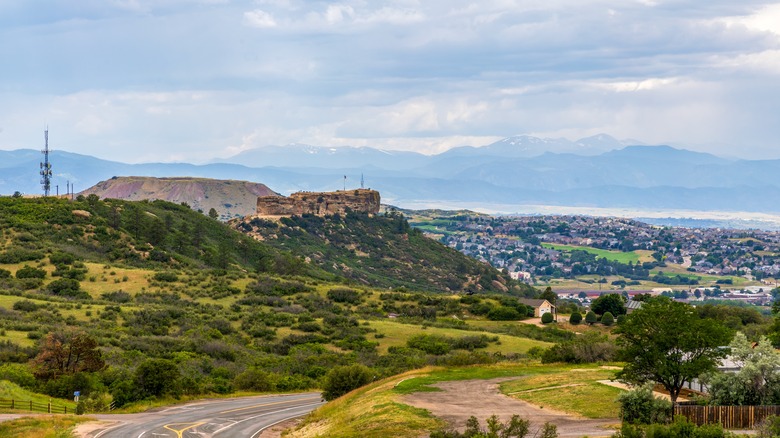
{"points": [[243, 417]]}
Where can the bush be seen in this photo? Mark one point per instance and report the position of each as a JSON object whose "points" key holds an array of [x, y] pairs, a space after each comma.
{"points": [[119, 296], [344, 295], [575, 318], [156, 377], [66, 287], [607, 319], [343, 379], [587, 348], [547, 318], [591, 318], [254, 379], [5, 273], [25, 306], [431, 344], [640, 406], [769, 428], [680, 428], [17, 373], [30, 272], [166, 277], [504, 313]]}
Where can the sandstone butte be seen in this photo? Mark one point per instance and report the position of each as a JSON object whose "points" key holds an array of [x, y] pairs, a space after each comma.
{"points": [[319, 203]]}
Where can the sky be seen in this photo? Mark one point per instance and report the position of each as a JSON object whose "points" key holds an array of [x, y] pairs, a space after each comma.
{"points": [[194, 80]]}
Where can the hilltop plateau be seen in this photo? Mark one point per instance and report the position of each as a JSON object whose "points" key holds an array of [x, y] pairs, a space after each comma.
{"points": [[229, 198]]}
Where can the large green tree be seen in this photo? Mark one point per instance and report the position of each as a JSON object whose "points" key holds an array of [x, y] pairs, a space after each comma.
{"points": [[667, 342], [757, 382], [612, 303]]}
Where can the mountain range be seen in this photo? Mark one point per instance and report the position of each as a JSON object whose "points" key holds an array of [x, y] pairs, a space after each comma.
{"points": [[598, 171]]}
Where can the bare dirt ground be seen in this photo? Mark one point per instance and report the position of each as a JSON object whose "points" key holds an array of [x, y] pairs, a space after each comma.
{"points": [[459, 400], [276, 430]]}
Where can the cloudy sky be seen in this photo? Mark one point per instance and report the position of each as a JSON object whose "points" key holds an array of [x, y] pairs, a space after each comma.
{"points": [[191, 80]]}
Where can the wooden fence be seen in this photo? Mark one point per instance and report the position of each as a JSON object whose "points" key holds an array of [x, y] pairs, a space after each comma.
{"points": [[730, 417], [29, 405]]}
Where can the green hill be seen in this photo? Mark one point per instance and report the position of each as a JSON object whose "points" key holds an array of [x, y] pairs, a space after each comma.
{"points": [[161, 301], [381, 251]]}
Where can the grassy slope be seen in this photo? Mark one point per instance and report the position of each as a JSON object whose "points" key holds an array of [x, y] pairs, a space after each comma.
{"points": [[374, 410], [382, 251], [11, 391]]}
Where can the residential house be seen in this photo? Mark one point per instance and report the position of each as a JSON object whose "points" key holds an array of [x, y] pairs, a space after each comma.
{"points": [[541, 307]]}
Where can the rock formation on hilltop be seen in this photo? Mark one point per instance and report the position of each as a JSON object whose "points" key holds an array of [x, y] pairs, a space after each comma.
{"points": [[228, 197], [319, 203]]}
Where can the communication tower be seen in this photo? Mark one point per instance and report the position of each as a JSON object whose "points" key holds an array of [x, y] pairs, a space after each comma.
{"points": [[362, 182], [46, 166]]}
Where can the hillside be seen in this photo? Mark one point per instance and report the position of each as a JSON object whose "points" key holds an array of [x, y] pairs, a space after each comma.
{"points": [[167, 302], [380, 251], [228, 197]]}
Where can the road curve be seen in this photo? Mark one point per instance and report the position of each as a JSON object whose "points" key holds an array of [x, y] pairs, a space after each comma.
{"points": [[243, 417]]}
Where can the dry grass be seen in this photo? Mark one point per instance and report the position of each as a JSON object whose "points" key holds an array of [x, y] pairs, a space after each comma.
{"points": [[41, 426]]}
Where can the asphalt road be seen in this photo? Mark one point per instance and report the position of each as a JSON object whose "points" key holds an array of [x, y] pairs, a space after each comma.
{"points": [[244, 417]]}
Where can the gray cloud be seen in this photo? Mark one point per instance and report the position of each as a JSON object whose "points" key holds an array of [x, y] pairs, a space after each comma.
{"points": [[176, 78]]}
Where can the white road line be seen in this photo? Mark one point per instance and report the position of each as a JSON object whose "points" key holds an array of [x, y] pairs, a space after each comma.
{"points": [[267, 413], [274, 424], [110, 428]]}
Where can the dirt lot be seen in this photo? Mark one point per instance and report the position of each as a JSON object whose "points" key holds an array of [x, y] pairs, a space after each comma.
{"points": [[482, 398]]}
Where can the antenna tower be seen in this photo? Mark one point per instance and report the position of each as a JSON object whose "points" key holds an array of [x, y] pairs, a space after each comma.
{"points": [[46, 166], [362, 182]]}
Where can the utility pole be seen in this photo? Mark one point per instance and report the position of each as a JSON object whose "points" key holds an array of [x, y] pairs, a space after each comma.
{"points": [[345, 183]]}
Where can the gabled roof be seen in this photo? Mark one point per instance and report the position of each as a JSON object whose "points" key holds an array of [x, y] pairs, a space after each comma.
{"points": [[633, 304], [533, 303]]}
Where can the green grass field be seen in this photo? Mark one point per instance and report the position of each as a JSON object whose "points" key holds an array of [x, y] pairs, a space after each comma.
{"points": [[568, 389], [616, 256], [396, 334]]}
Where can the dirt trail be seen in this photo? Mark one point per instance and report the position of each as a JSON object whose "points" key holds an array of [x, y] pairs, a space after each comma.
{"points": [[459, 400]]}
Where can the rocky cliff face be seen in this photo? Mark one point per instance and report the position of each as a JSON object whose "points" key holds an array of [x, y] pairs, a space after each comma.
{"points": [[320, 204], [228, 197]]}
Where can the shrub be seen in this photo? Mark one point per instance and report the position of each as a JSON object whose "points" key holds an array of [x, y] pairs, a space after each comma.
{"points": [[547, 318], [504, 313], [586, 348], [343, 379], [431, 344], [156, 377], [575, 318], [166, 277], [254, 379], [30, 272], [591, 318], [5, 273], [607, 319], [62, 258], [769, 428], [25, 306], [344, 295], [17, 373], [66, 287], [119, 296], [640, 406]]}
